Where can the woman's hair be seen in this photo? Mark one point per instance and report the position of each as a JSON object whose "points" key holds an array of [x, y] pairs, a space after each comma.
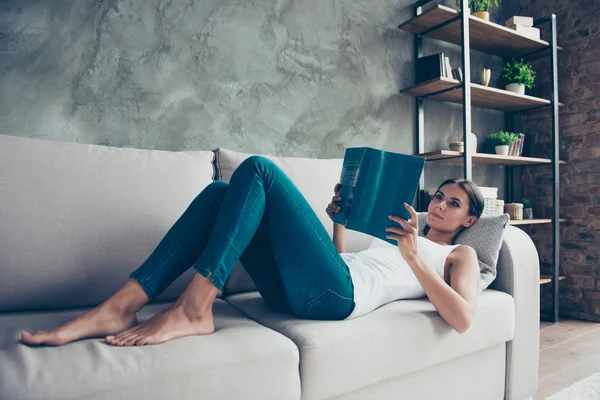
{"points": [[476, 201]]}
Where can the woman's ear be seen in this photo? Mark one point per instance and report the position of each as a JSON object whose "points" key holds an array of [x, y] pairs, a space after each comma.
{"points": [[470, 221]]}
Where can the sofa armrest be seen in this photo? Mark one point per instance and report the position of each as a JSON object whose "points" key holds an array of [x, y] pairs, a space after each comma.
{"points": [[518, 274]]}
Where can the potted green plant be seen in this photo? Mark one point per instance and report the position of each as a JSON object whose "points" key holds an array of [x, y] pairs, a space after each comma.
{"points": [[480, 8], [527, 211], [516, 76], [501, 141]]}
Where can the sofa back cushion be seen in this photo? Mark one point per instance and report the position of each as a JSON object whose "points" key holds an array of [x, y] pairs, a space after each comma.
{"points": [[315, 178], [76, 219]]}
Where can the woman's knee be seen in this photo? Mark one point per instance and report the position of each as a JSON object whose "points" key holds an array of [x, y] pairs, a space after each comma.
{"points": [[216, 189], [258, 163]]}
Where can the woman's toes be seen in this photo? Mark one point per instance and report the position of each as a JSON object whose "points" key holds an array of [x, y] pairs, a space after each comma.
{"points": [[123, 335], [31, 338], [130, 341], [146, 340], [111, 341], [121, 339], [36, 337]]}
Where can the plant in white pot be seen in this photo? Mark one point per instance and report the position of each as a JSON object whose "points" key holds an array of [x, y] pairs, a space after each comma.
{"points": [[501, 142], [516, 76], [480, 8], [527, 210]]}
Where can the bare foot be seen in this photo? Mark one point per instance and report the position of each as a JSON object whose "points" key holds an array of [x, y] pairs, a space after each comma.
{"points": [[172, 323], [101, 321]]}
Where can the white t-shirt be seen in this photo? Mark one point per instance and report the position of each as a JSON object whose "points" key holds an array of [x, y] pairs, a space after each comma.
{"points": [[381, 275]]}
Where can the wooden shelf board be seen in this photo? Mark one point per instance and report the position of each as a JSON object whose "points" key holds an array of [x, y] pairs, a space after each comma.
{"points": [[481, 96], [535, 221], [450, 156], [548, 279], [485, 36]]}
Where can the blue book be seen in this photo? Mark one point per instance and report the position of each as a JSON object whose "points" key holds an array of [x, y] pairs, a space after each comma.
{"points": [[375, 184]]}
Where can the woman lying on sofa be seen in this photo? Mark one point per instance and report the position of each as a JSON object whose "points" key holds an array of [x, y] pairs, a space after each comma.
{"points": [[263, 220]]}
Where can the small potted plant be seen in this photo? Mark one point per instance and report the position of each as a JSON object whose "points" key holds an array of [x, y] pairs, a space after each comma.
{"points": [[501, 141], [527, 211], [480, 8], [516, 76]]}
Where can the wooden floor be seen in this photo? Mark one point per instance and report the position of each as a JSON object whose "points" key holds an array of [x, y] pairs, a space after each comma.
{"points": [[569, 352]]}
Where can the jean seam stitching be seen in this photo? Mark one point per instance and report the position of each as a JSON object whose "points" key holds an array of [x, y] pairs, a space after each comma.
{"points": [[310, 303], [233, 234]]}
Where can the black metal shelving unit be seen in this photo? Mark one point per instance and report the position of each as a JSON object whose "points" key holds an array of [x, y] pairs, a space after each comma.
{"points": [[444, 23]]}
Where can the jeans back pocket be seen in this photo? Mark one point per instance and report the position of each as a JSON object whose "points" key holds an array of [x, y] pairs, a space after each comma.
{"points": [[328, 306]]}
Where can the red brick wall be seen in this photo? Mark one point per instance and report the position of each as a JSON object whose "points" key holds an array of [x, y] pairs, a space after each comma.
{"points": [[579, 88]]}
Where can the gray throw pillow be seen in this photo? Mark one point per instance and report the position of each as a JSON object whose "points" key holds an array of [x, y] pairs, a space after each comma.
{"points": [[485, 237]]}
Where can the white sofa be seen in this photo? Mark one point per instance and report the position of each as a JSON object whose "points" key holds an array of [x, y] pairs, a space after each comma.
{"points": [[76, 219]]}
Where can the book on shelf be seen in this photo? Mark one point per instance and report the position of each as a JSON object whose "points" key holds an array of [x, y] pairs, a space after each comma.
{"points": [[430, 67], [519, 20], [516, 148], [375, 184], [457, 74], [433, 66], [448, 68], [527, 31], [521, 143]]}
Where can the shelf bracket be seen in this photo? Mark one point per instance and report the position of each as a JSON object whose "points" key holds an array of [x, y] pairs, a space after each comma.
{"points": [[428, 95], [537, 107]]}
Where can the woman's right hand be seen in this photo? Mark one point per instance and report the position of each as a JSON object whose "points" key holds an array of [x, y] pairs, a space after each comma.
{"points": [[333, 208]]}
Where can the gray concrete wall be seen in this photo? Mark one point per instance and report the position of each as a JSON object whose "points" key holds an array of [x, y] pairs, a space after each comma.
{"points": [[298, 78]]}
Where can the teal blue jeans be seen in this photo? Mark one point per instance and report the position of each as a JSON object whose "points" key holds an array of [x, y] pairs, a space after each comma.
{"points": [[261, 218]]}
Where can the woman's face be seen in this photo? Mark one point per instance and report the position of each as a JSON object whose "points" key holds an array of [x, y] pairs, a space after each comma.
{"points": [[449, 209]]}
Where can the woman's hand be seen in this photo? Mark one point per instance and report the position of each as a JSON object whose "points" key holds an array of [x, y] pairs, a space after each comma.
{"points": [[407, 236], [333, 208]]}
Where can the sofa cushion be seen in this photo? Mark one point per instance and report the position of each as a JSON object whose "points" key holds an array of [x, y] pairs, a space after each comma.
{"points": [[241, 360], [315, 178], [76, 219], [485, 237], [337, 357]]}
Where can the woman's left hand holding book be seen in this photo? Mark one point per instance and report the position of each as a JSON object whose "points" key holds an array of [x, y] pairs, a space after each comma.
{"points": [[333, 208], [339, 231]]}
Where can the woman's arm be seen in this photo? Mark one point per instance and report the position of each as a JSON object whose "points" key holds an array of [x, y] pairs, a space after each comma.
{"points": [[456, 302], [339, 237]]}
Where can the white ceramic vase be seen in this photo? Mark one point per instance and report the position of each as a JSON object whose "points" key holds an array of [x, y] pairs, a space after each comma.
{"points": [[502, 150], [518, 88], [486, 75]]}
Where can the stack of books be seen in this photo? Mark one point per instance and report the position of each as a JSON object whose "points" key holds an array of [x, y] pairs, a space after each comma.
{"points": [[436, 66], [524, 26], [516, 149]]}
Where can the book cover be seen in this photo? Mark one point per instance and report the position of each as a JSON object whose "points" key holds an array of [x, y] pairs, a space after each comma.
{"points": [[430, 67], [521, 142], [448, 67], [457, 74], [375, 184]]}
